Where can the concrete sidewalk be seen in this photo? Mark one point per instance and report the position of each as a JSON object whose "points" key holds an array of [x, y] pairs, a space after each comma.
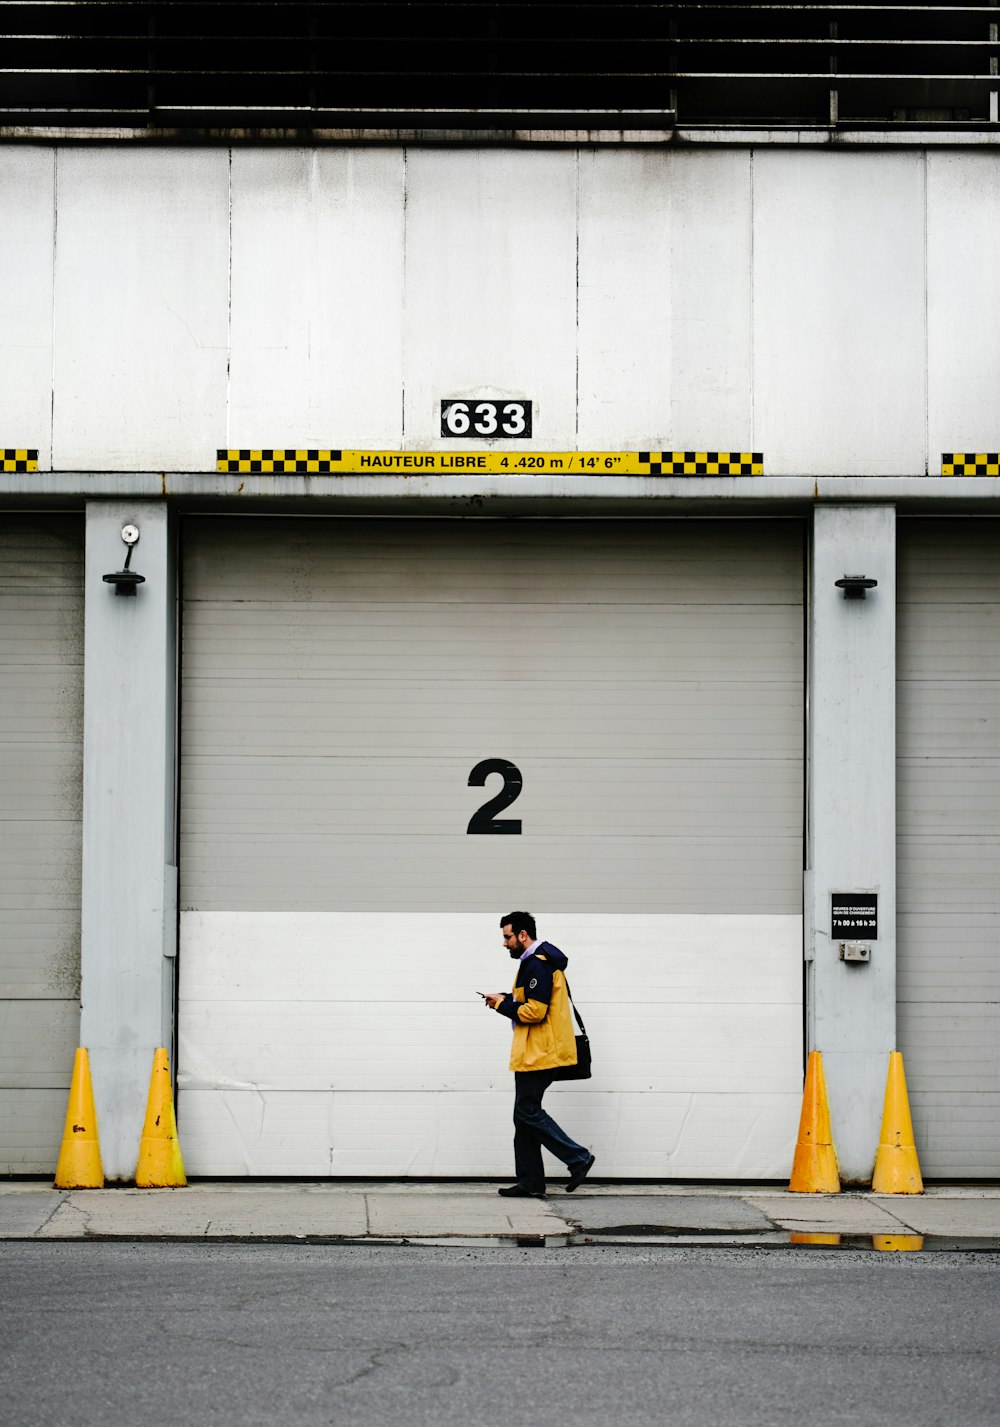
{"points": [[413, 1212]]}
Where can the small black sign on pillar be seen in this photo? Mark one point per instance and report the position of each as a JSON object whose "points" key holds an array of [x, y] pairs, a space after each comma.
{"points": [[854, 915]]}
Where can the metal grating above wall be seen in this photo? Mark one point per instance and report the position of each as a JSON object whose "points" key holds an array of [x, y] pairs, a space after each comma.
{"points": [[304, 65]]}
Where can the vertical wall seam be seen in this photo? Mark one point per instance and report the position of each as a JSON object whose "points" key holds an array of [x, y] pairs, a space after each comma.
{"points": [[753, 298], [808, 894], [402, 339], [229, 309], [927, 337], [576, 397], [52, 310]]}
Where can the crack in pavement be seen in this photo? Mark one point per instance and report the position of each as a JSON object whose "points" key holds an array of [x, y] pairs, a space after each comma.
{"points": [[749, 1204], [909, 1229], [68, 1205], [375, 1361], [62, 1200]]}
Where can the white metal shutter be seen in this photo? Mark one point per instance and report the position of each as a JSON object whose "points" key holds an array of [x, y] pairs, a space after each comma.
{"points": [[341, 679], [948, 830], [41, 779]]}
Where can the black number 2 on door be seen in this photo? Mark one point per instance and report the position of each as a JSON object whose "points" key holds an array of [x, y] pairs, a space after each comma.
{"points": [[483, 819]]}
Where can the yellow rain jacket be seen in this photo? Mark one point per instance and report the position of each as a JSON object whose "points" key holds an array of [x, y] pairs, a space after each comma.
{"points": [[539, 1007]]}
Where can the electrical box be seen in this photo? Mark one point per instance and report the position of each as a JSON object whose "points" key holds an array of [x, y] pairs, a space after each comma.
{"points": [[857, 951]]}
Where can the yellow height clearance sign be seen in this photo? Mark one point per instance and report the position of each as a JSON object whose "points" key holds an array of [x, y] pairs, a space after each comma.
{"points": [[287, 462]]}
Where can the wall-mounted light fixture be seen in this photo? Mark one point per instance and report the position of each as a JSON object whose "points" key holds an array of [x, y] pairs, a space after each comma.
{"points": [[855, 587], [126, 581]]}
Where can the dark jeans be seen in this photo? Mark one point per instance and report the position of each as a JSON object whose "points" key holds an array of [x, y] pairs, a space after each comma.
{"points": [[533, 1129]]}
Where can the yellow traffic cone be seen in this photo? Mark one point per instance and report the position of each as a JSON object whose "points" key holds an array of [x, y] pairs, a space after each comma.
{"points": [[79, 1164], [160, 1163], [897, 1169], [814, 1169]]}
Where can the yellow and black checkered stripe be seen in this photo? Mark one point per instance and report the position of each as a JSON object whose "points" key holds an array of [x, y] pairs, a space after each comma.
{"points": [[277, 462], [966, 463], [703, 463], [499, 460], [16, 458]]}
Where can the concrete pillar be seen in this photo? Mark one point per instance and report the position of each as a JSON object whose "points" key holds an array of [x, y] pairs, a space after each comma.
{"points": [[851, 838], [129, 919]]}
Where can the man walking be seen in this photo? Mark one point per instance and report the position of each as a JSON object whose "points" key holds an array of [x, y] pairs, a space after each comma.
{"points": [[543, 1042]]}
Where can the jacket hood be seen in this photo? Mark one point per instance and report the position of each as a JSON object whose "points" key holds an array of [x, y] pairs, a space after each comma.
{"points": [[558, 958]]}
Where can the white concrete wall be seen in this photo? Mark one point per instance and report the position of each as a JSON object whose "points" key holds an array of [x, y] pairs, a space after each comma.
{"points": [[963, 330], [839, 311], [139, 326], [317, 321], [838, 298], [27, 201]]}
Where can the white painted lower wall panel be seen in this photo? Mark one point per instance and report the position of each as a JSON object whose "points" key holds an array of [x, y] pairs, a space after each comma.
{"points": [[651, 1135], [354, 1044]]}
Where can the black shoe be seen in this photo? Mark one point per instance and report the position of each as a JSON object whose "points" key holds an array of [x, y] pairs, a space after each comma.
{"points": [[579, 1173], [516, 1191]]}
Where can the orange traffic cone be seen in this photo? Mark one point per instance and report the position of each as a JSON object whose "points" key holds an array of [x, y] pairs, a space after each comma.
{"points": [[79, 1164], [160, 1163], [897, 1169], [814, 1169]]}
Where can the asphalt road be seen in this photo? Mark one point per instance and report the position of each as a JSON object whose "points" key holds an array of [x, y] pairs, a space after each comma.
{"points": [[109, 1334]]}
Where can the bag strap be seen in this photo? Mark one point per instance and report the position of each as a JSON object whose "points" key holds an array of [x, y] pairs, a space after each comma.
{"points": [[576, 1013]]}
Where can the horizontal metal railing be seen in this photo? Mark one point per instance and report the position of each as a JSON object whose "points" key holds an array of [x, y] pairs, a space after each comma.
{"points": [[322, 63]]}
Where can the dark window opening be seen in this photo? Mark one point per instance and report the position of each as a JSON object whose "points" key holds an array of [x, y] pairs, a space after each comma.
{"points": [[312, 64]]}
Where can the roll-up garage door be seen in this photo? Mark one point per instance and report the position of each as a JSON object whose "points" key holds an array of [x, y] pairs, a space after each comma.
{"points": [[41, 781], [948, 831], [393, 733]]}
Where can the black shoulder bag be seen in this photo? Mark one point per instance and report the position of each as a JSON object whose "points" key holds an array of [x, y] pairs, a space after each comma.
{"points": [[581, 1070]]}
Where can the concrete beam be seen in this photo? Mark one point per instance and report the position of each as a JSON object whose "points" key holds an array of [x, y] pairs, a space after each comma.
{"points": [[129, 918], [851, 840], [480, 493]]}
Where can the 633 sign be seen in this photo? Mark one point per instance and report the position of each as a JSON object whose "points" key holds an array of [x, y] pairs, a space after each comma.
{"points": [[499, 419]]}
